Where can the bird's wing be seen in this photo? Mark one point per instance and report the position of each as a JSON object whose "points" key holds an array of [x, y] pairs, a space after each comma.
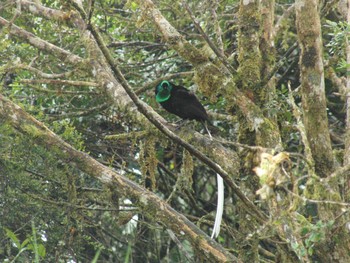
{"points": [[186, 105], [184, 93]]}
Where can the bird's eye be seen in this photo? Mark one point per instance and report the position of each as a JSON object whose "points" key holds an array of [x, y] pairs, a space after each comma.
{"points": [[165, 85]]}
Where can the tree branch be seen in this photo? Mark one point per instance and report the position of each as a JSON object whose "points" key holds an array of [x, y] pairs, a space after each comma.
{"points": [[37, 42]]}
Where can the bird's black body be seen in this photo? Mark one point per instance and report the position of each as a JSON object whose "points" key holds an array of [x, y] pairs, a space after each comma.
{"points": [[181, 102]]}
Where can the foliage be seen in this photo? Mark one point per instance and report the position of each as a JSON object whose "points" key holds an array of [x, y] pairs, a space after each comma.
{"points": [[30, 243], [77, 218]]}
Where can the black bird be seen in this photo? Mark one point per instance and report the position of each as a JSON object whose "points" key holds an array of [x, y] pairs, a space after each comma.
{"points": [[180, 101]]}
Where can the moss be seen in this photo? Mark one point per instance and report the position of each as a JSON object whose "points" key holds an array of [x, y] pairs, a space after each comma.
{"points": [[148, 161], [269, 134], [32, 131], [249, 52], [209, 79], [320, 191], [309, 57], [187, 168], [190, 52]]}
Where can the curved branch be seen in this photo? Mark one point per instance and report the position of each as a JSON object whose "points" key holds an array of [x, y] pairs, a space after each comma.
{"points": [[49, 13]]}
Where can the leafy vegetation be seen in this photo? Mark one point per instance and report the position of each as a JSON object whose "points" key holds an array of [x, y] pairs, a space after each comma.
{"points": [[52, 211]]}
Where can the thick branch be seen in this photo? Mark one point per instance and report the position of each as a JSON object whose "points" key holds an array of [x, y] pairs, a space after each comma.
{"points": [[347, 92]]}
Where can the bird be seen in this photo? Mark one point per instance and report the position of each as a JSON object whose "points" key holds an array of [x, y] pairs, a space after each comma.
{"points": [[184, 104], [180, 101]]}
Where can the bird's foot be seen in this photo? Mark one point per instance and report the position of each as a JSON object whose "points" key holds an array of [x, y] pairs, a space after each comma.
{"points": [[181, 123]]}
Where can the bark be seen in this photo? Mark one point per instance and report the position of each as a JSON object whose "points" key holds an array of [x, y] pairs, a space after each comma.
{"points": [[249, 59], [251, 70], [347, 90], [249, 56], [146, 200], [313, 86], [267, 48]]}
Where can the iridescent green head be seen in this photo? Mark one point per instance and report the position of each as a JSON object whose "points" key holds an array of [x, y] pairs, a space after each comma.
{"points": [[163, 90]]}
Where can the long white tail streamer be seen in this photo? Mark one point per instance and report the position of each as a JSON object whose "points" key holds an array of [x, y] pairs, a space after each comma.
{"points": [[220, 207], [220, 203]]}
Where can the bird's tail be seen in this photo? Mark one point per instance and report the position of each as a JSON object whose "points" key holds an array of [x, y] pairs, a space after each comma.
{"points": [[220, 207], [220, 203]]}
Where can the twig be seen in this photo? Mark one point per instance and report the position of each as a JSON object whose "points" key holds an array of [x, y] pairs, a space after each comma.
{"points": [[284, 16], [128, 135], [328, 202], [60, 82], [245, 146], [279, 64], [135, 43], [217, 52], [179, 244], [166, 77], [300, 126], [40, 73], [67, 204]]}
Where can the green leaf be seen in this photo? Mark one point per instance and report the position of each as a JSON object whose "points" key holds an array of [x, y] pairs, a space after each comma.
{"points": [[25, 242], [331, 23], [13, 237], [128, 253], [315, 237], [310, 251], [41, 250], [133, 6]]}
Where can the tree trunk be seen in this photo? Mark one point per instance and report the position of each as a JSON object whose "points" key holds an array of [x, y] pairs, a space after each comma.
{"points": [[312, 85], [316, 126]]}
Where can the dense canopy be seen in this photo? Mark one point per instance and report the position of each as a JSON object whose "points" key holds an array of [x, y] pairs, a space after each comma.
{"points": [[92, 169]]}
